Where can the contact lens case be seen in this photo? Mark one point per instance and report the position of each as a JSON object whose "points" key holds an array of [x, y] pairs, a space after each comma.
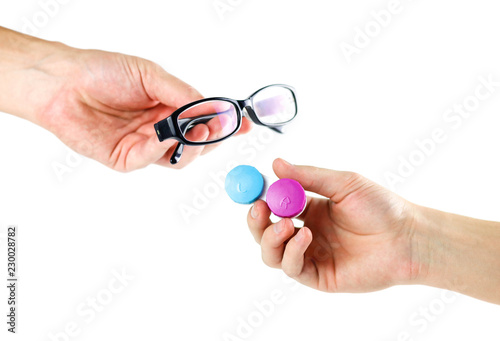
{"points": [[285, 197]]}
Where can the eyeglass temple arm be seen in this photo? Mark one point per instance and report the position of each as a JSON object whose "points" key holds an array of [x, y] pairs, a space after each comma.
{"points": [[278, 129], [176, 156], [185, 124], [165, 129]]}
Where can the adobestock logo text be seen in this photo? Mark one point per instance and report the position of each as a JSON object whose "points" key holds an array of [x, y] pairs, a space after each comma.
{"points": [[365, 34], [453, 117], [48, 9]]}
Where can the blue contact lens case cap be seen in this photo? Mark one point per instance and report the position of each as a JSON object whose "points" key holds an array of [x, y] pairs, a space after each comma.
{"points": [[244, 184]]}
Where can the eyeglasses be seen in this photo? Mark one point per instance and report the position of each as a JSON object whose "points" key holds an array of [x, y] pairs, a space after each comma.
{"points": [[272, 106]]}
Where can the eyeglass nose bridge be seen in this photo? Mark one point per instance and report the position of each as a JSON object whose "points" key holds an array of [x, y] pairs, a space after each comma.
{"points": [[247, 111], [244, 104]]}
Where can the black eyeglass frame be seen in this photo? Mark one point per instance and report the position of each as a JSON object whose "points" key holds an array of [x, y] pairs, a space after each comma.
{"points": [[171, 127]]}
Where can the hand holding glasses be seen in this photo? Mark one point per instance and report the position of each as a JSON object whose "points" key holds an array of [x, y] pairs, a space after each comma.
{"points": [[272, 106]]}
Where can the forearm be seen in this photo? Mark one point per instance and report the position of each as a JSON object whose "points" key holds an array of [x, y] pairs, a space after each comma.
{"points": [[458, 253], [26, 83]]}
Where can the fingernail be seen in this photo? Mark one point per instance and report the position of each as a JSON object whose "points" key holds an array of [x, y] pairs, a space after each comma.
{"points": [[278, 227], [300, 235], [286, 162], [253, 212]]}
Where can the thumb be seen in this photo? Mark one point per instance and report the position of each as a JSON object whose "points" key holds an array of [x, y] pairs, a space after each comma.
{"points": [[335, 185], [166, 88]]}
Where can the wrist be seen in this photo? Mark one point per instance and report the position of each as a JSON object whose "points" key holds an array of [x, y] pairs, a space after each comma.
{"points": [[456, 253], [425, 238], [26, 84]]}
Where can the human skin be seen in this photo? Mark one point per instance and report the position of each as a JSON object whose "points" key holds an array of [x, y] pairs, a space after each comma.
{"points": [[361, 237], [102, 105]]}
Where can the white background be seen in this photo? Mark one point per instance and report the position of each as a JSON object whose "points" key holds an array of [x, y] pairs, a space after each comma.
{"points": [[196, 278]]}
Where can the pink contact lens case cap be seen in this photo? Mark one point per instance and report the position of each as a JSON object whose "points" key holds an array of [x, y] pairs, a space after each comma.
{"points": [[286, 198]]}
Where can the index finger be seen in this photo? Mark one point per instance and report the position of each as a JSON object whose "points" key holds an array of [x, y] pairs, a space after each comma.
{"points": [[335, 185], [163, 87], [258, 219]]}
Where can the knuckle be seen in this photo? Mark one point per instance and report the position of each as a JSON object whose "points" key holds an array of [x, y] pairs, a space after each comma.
{"points": [[289, 270], [269, 262], [193, 93], [353, 177], [354, 180]]}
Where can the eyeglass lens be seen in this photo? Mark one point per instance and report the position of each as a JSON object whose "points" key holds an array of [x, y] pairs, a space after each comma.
{"points": [[217, 117], [274, 105]]}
